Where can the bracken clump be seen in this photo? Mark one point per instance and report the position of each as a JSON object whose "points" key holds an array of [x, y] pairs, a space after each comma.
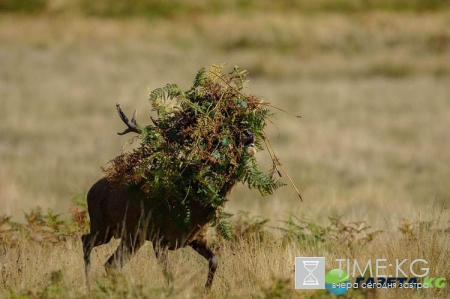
{"points": [[194, 151]]}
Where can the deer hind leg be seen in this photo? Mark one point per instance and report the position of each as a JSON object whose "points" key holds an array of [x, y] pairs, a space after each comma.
{"points": [[201, 246], [126, 250], [90, 241], [161, 252]]}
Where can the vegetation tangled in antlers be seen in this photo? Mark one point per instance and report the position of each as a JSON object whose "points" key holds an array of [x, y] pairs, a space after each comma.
{"points": [[193, 151]]}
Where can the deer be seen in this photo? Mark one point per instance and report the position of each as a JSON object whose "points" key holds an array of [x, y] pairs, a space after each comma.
{"points": [[116, 212]]}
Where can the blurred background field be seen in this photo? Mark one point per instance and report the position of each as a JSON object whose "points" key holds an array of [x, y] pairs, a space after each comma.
{"points": [[371, 80]]}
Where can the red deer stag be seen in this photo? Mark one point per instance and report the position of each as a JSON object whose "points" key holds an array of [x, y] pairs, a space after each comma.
{"points": [[116, 212]]}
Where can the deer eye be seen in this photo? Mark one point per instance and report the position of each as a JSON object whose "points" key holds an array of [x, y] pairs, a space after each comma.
{"points": [[247, 138]]}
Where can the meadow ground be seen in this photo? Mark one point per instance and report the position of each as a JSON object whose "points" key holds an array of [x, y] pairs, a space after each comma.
{"points": [[372, 144]]}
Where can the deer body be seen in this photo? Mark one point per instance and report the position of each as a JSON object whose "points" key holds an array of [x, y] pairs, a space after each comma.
{"points": [[135, 217], [115, 212]]}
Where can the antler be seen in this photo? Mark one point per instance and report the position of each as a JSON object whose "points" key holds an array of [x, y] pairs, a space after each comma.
{"points": [[132, 125]]}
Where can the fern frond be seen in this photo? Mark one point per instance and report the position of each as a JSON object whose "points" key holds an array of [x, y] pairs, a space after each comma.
{"points": [[224, 229]]}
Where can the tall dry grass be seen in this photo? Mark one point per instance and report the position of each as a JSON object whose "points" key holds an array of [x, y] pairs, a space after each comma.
{"points": [[257, 263]]}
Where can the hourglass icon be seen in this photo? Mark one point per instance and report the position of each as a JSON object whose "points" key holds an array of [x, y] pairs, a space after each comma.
{"points": [[310, 279]]}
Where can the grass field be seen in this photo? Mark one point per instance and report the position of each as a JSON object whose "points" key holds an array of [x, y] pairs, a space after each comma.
{"points": [[372, 145]]}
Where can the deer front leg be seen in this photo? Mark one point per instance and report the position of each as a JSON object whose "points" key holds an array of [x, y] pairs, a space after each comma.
{"points": [[203, 249]]}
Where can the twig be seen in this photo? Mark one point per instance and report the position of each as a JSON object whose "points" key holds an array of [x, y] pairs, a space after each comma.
{"points": [[278, 163], [282, 110]]}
